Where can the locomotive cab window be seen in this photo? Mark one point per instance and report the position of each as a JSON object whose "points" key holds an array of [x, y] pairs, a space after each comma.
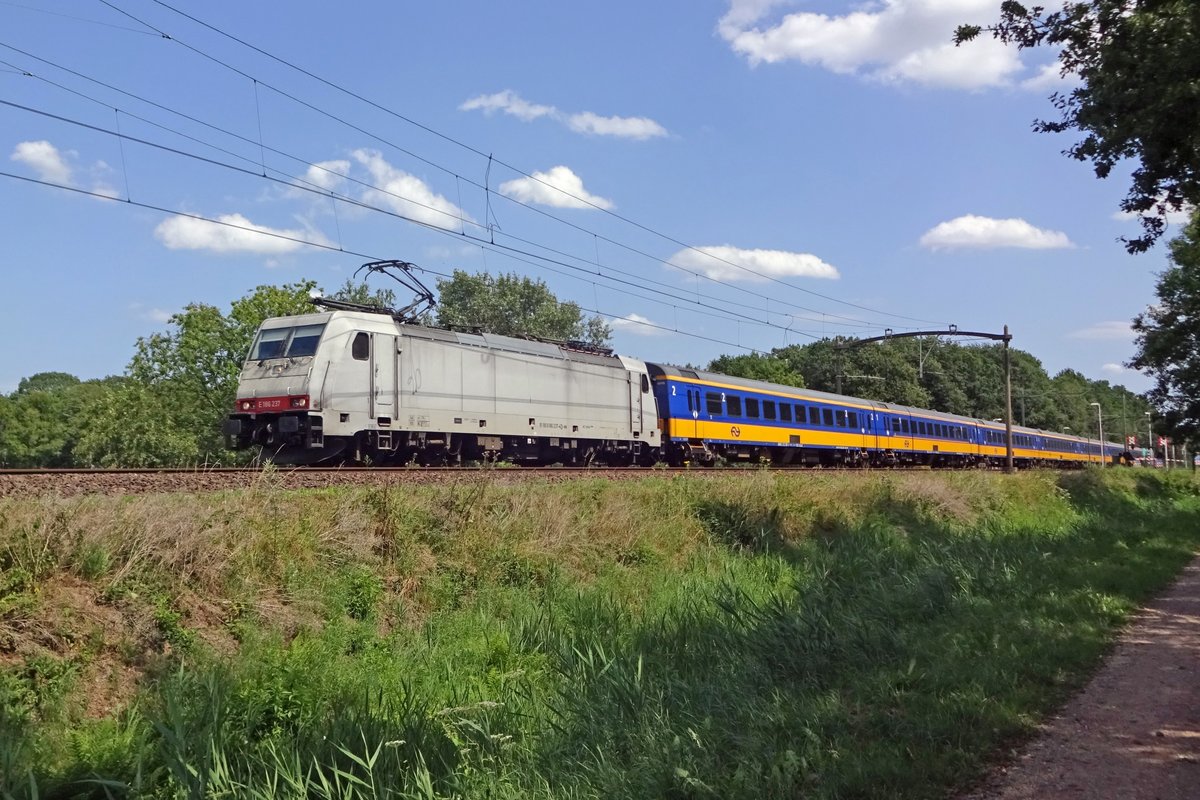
{"points": [[270, 344], [286, 342], [360, 348], [304, 340]]}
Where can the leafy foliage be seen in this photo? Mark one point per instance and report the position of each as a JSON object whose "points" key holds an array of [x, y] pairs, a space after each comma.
{"points": [[513, 305], [759, 367], [41, 422], [1168, 337], [1139, 63]]}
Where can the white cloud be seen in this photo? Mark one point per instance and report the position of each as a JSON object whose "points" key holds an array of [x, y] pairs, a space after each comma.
{"points": [[236, 235], [637, 324], [725, 263], [586, 122], [889, 40], [1114, 330], [1115, 369], [543, 188], [327, 174], [639, 128], [407, 194], [508, 102], [44, 159], [971, 231]]}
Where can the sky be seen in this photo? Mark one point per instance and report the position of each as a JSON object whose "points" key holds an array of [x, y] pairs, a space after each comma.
{"points": [[711, 176]]}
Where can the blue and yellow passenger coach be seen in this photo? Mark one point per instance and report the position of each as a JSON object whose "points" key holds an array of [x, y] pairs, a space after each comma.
{"points": [[705, 416]]}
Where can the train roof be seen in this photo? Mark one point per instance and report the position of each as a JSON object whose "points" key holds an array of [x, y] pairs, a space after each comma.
{"points": [[569, 351]]}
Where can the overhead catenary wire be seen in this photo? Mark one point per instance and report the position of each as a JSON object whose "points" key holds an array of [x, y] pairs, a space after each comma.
{"points": [[672, 294], [492, 230], [323, 246], [456, 142]]}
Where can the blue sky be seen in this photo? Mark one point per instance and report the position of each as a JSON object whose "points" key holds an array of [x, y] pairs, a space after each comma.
{"points": [[739, 174]]}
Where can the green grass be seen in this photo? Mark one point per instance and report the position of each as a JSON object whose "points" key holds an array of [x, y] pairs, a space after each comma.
{"points": [[755, 636]]}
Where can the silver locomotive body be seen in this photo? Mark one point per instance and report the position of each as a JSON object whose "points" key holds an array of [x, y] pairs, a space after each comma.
{"points": [[351, 385]]}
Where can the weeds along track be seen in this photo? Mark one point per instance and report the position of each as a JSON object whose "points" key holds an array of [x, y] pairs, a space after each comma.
{"points": [[67, 482]]}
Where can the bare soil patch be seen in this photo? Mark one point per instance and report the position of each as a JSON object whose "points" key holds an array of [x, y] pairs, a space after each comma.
{"points": [[1134, 731]]}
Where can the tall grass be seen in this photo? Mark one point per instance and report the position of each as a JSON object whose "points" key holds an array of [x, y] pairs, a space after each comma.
{"points": [[756, 636]]}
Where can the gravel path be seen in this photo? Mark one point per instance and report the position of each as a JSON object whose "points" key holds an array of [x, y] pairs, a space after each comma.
{"points": [[1134, 731]]}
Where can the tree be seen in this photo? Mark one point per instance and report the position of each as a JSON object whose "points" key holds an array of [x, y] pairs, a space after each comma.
{"points": [[360, 293], [759, 367], [1139, 63], [42, 421], [134, 427], [513, 305], [1168, 336]]}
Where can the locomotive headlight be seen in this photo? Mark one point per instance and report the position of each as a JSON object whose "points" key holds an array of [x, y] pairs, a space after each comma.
{"points": [[246, 405], [299, 402]]}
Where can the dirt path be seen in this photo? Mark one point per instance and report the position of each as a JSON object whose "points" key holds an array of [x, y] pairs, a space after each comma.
{"points": [[1134, 731]]}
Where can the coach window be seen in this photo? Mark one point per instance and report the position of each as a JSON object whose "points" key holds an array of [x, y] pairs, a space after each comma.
{"points": [[904, 425], [733, 406], [713, 403], [814, 415], [360, 349], [752, 407], [785, 412], [768, 409], [827, 417], [853, 419], [841, 418]]}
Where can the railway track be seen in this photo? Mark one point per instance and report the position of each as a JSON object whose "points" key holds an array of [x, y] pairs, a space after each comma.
{"points": [[77, 481], [26, 482]]}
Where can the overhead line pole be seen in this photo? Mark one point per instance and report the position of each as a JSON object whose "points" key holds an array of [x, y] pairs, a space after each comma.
{"points": [[1005, 337]]}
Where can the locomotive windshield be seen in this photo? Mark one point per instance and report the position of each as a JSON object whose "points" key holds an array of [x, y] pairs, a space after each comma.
{"points": [[286, 342]]}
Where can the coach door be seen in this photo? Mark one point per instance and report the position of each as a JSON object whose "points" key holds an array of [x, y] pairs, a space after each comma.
{"points": [[383, 377]]}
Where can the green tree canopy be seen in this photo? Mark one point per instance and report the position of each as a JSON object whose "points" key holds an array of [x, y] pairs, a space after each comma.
{"points": [[513, 305], [359, 292], [1168, 337], [42, 421], [759, 367], [1139, 64]]}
